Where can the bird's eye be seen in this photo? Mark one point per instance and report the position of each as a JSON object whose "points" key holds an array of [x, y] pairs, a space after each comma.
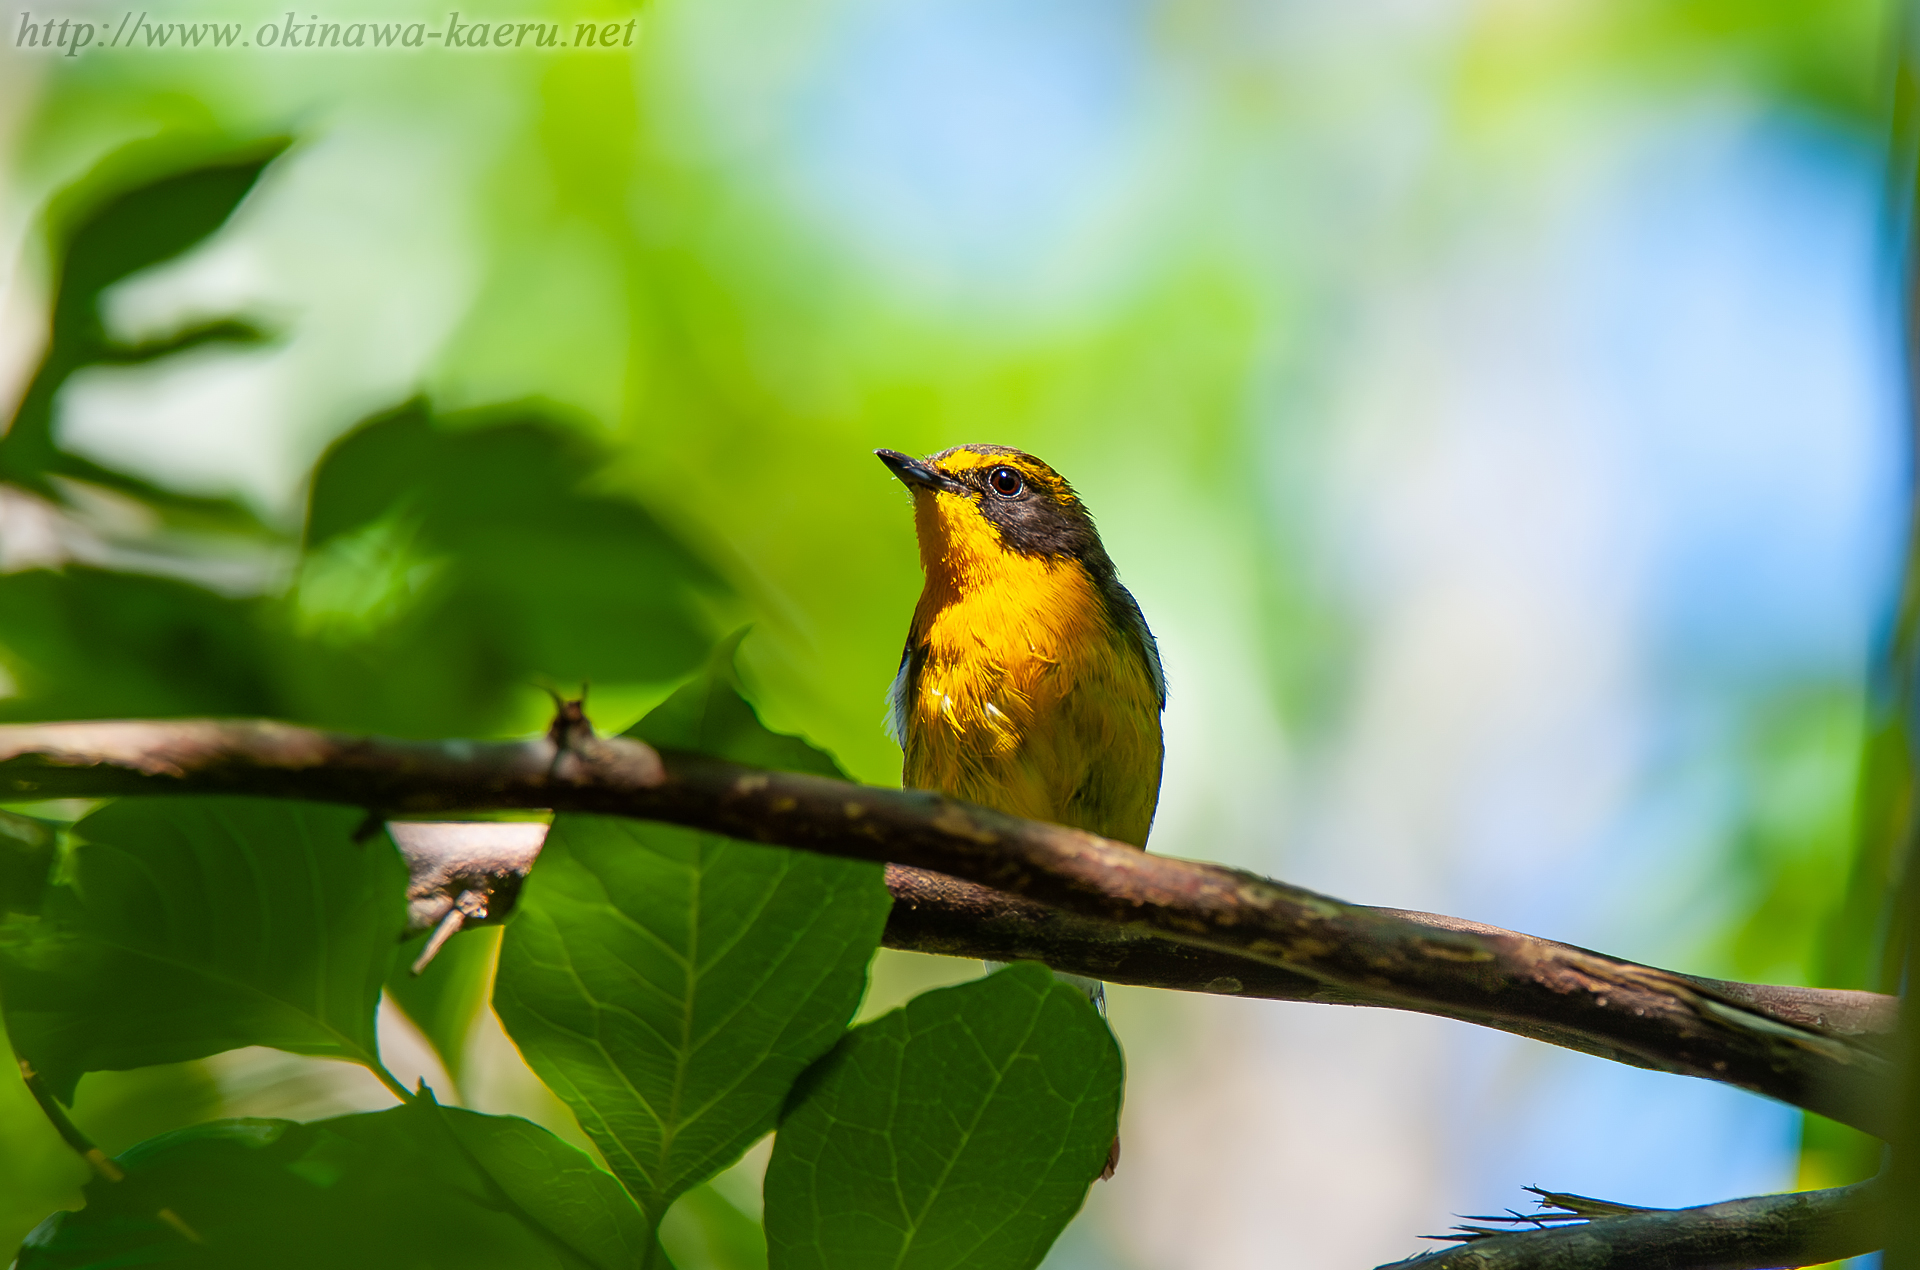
{"points": [[1005, 482]]}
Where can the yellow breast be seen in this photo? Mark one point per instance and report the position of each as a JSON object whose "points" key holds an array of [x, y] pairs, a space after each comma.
{"points": [[1027, 698]]}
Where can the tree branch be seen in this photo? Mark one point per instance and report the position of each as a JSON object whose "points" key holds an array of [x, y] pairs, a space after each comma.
{"points": [[933, 913], [475, 868], [1802, 1229], [1824, 1057]]}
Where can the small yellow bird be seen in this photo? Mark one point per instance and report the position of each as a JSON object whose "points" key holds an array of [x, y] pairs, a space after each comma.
{"points": [[1030, 682]]}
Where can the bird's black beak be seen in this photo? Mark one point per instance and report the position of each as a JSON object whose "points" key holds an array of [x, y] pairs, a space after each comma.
{"points": [[912, 471]]}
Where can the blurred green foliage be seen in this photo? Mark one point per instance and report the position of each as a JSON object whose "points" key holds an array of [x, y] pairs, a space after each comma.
{"points": [[1825, 58], [670, 986], [1828, 54], [1886, 881], [1791, 855], [701, 377], [86, 643], [449, 562], [451, 566], [102, 231]]}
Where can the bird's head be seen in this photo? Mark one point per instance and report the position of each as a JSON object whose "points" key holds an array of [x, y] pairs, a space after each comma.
{"points": [[977, 506]]}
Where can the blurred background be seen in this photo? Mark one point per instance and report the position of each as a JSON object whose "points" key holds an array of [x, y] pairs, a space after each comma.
{"points": [[1494, 404]]}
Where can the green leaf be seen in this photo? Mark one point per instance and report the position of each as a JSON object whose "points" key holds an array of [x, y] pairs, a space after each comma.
{"points": [[27, 846], [959, 1131], [418, 1186], [84, 643], [557, 1186], [453, 561], [710, 716], [671, 985], [178, 928]]}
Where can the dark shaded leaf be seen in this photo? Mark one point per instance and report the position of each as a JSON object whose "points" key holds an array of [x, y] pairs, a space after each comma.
{"points": [[183, 927], [84, 643], [556, 1186], [454, 561], [670, 985], [418, 1186], [960, 1131], [27, 846]]}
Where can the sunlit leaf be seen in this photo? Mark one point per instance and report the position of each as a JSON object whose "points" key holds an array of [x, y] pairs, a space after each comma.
{"points": [[958, 1133], [670, 985], [417, 1186], [179, 928]]}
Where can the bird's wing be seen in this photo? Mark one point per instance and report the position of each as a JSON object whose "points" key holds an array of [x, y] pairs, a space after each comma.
{"points": [[1127, 614], [900, 693]]}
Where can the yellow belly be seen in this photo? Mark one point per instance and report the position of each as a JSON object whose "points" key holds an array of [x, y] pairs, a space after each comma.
{"points": [[1029, 701]]}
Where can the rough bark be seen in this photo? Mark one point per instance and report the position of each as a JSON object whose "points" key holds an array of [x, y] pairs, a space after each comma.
{"points": [[1825, 1057], [1803, 1229], [933, 913]]}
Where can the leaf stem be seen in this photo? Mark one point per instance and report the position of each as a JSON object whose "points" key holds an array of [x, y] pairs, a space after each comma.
{"points": [[387, 1078], [63, 1124], [99, 1161]]}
